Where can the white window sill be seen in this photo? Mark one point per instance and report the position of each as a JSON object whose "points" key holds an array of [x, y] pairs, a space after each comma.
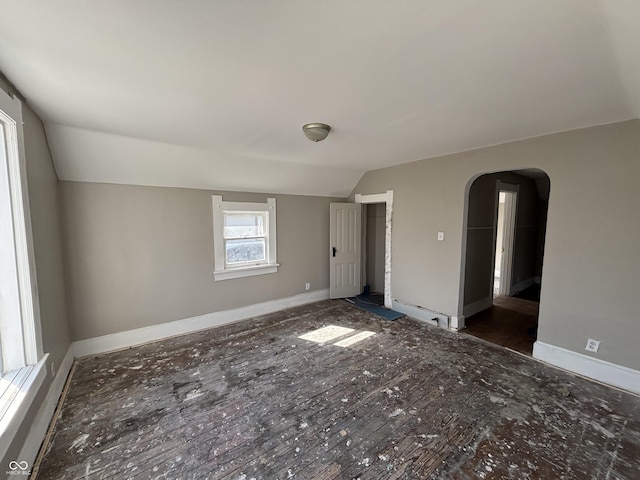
{"points": [[18, 390], [245, 271]]}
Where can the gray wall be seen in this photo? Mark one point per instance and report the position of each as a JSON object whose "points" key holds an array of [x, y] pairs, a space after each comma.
{"points": [[47, 239], [591, 267], [44, 204], [480, 234], [140, 256]]}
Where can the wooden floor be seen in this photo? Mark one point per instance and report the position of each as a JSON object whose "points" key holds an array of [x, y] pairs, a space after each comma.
{"points": [[511, 322], [253, 400]]}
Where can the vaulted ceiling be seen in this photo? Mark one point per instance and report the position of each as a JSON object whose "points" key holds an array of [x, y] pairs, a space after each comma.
{"points": [[213, 94]]}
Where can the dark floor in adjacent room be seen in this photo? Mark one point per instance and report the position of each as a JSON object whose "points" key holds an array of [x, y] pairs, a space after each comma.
{"points": [[254, 400], [511, 322]]}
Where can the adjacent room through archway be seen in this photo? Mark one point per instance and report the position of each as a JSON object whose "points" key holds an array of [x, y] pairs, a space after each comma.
{"points": [[506, 226]]}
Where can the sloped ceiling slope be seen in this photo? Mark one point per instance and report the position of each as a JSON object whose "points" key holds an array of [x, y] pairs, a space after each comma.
{"points": [[213, 94]]}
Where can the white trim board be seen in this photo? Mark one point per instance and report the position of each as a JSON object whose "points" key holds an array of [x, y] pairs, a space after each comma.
{"points": [[456, 323], [139, 336], [40, 424], [594, 368], [24, 390], [423, 314], [374, 197], [21, 341]]}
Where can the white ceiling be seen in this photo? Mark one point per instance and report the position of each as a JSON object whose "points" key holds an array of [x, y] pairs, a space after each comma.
{"points": [[213, 94]]}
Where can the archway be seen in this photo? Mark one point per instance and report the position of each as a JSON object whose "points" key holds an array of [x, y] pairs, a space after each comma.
{"points": [[502, 258]]}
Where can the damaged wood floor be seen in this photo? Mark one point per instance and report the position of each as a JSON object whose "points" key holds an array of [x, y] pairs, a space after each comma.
{"points": [[253, 400]]}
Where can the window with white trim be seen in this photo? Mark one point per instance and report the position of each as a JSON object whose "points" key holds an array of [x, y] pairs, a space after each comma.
{"points": [[22, 362], [244, 238], [20, 342]]}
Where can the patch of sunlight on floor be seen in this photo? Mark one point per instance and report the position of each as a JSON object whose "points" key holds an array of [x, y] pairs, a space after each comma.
{"points": [[326, 334], [354, 338], [332, 332]]}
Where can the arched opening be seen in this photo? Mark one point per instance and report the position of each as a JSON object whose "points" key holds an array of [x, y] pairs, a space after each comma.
{"points": [[503, 256]]}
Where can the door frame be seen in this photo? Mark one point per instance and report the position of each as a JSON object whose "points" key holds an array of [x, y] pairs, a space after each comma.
{"points": [[508, 236], [387, 199]]}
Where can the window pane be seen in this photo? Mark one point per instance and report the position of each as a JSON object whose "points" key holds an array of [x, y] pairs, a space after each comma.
{"points": [[249, 250], [241, 225]]}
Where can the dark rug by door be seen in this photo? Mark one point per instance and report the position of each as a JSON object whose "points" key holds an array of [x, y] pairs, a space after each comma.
{"points": [[374, 303]]}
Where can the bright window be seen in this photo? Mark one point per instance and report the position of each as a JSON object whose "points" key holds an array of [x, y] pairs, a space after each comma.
{"points": [[244, 238]]}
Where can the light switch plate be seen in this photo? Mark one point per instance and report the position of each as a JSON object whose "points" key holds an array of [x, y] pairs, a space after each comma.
{"points": [[440, 236]]}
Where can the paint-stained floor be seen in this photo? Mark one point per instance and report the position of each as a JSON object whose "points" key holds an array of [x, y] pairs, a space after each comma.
{"points": [[253, 400]]}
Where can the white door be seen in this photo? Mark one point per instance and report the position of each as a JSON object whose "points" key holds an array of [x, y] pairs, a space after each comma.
{"points": [[344, 249]]}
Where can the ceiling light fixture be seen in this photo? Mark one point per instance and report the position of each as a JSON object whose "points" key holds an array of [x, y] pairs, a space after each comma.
{"points": [[316, 132]]}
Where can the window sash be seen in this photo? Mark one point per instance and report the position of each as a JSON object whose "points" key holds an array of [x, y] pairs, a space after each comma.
{"points": [[264, 227], [261, 222], [244, 263]]}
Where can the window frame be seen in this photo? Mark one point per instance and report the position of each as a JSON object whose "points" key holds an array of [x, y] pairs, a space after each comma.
{"points": [[225, 271], [25, 347], [23, 370]]}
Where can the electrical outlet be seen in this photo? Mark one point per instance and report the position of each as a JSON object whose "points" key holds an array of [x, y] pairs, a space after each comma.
{"points": [[307, 286], [592, 345], [53, 369]]}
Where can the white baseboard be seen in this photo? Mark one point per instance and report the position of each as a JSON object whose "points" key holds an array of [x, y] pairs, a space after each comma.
{"points": [[420, 313], [41, 421], [456, 323], [600, 370], [139, 336], [477, 306]]}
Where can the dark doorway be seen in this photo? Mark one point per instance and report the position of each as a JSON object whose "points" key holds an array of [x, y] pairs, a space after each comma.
{"points": [[375, 230]]}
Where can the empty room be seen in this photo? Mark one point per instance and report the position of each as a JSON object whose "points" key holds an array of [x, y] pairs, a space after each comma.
{"points": [[319, 239]]}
